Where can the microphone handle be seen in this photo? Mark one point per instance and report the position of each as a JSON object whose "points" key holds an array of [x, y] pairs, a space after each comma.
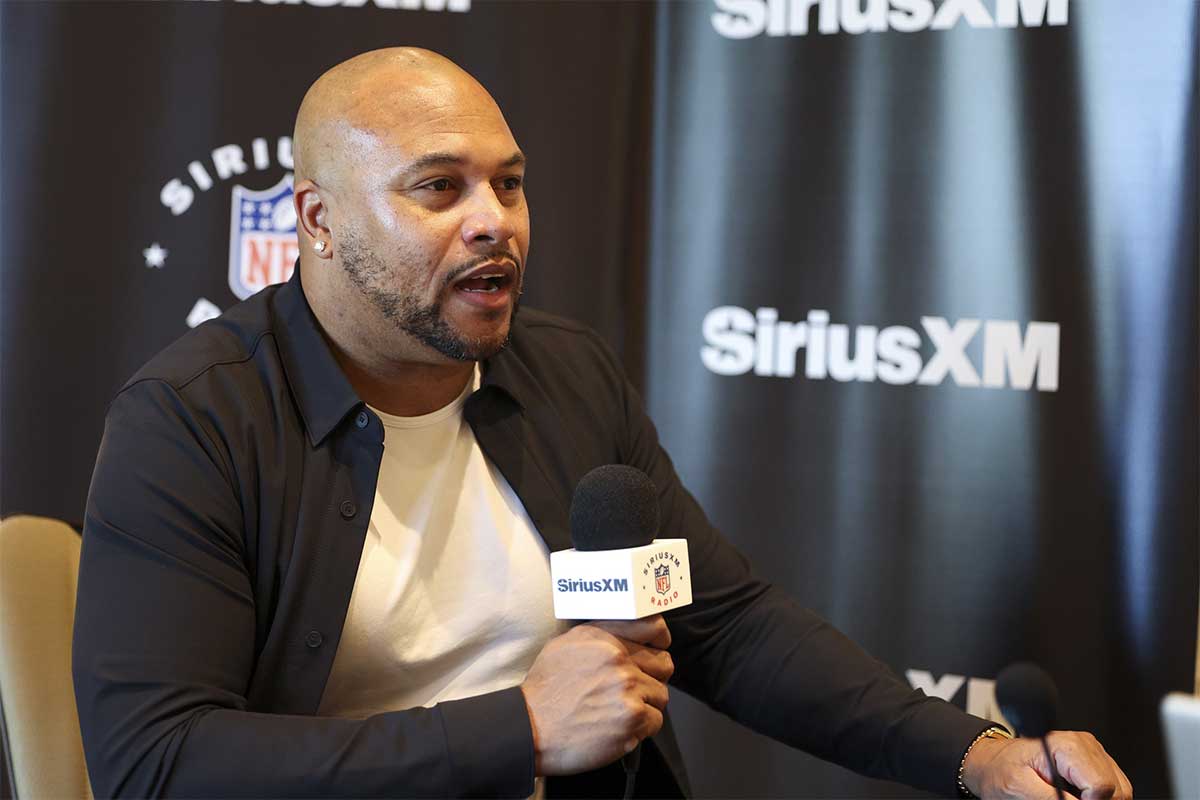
{"points": [[630, 763]]}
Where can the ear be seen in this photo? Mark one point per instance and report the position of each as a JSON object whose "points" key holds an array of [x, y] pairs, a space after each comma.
{"points": [[311, 216]]}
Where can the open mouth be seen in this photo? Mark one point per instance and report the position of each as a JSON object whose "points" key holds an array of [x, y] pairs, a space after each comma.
{"points": [[488, 279], [487, 283]]}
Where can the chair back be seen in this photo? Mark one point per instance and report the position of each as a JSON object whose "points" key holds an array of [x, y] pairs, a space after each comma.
{"points": [[39, 567]]}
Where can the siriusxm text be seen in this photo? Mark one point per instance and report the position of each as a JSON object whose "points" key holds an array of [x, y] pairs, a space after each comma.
{"points": [[602, 585], [744, 19], [665, 555], [738, 341]]}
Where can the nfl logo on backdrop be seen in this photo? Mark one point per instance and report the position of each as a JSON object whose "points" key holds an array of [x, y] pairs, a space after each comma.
{"points": [[262, 237], [662, 578]]}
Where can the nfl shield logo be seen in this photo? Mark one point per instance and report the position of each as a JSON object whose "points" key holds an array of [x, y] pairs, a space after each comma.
{"points": [[662, 578], [262, 237]]}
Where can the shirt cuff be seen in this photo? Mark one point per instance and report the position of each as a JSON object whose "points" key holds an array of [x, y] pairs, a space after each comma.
{"points": [[490, 742], [960, 730]]}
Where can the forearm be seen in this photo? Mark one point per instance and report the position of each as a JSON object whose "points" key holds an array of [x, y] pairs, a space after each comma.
{"points": [[753, 653], [785, 672], [480, 746]]}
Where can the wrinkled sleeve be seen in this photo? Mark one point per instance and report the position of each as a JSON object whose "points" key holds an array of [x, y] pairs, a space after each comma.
{"points": [[748, 650], [164, 647]]}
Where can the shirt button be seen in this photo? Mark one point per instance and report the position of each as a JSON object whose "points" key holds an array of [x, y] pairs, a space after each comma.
{"points": [[348, 509], [362, 420], [314, 639]]}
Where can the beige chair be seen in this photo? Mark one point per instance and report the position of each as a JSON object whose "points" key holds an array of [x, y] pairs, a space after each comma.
{"points": [[39, 565]]}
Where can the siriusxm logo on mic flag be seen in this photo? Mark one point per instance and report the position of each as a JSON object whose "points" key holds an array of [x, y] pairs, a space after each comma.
{"points": [[628, 583], [605, 585]]}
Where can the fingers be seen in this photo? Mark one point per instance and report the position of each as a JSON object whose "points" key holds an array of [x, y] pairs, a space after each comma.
{"points": [[645, 701], [643, 718], [652, 722], [645, 641], [653, 692], [650, 631], [1083, 762], [1126, 785], [655, 663]]}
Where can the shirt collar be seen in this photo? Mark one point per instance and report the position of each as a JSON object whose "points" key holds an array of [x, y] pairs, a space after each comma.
{"points": [[322, 391], [323, 394], [506, 372]]}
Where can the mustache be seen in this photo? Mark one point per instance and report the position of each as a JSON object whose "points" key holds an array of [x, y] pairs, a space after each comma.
{"points": [[499, 255]]}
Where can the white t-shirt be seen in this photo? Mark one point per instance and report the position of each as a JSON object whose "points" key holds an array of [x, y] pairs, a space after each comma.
{"points": [[452, 597]]}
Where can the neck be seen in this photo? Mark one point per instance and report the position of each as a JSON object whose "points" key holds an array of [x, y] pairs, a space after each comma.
{"points": [[407, 389], [405, 378]]}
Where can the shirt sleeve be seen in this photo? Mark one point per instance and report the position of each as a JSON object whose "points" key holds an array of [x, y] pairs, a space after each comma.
{"points": [[748, 650], [164, 647]]}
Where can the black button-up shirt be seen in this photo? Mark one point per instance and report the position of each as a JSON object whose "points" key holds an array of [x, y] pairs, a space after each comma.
{"points": [[226, 518]]}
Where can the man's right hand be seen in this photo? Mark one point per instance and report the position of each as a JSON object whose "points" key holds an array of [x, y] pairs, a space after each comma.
{"points": [[596, 691]]}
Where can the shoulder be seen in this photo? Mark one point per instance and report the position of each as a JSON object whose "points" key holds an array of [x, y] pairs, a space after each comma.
{"points": [[222, 369], [535, 323], [540, 334], [229, 340], [565, 365]]}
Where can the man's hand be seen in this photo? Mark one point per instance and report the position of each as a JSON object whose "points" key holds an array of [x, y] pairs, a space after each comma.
{"points": [[1017, 768], [596, 691]]}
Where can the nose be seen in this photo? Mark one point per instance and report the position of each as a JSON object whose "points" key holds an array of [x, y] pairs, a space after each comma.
{"points": [[488, 221]]}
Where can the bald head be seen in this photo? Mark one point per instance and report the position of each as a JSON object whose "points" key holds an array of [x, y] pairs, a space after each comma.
{"points": [[360, 101]]}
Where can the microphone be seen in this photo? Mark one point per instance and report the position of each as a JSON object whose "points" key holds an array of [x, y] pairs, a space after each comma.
{"points": [[617, 568], [1028, 699], [614, 506]]}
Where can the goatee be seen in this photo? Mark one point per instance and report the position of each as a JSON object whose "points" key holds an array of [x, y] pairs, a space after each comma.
{"points": [[370, 276]]}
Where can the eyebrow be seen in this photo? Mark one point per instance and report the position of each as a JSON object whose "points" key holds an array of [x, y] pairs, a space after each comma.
{"points": [[450, 159]]}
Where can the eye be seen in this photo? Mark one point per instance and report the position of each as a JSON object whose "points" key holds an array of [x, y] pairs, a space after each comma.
{"points": [[511, 183], [439, 185]]}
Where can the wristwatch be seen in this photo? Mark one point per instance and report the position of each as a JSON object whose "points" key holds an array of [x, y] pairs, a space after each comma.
{"points": [[994, 732]]}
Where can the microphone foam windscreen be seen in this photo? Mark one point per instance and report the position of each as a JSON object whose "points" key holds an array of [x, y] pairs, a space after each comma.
{"points": [[614, 507], [1028, 698]]}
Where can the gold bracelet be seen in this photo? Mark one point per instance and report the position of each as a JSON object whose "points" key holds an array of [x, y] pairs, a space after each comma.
{"points": [[994, 732]]}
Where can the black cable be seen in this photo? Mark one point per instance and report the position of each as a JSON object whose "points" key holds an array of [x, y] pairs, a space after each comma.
{"points": [[630, 763], [1054, 776]]}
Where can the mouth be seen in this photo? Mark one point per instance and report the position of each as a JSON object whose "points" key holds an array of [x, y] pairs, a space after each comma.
{"points": [[488, 279]]}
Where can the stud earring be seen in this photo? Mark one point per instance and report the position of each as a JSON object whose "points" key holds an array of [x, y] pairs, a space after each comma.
{"points": [[319, 246]]}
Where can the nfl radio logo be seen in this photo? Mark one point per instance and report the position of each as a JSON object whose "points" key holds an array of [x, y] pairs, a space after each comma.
{"points": [[262, 237], [662, 578]]}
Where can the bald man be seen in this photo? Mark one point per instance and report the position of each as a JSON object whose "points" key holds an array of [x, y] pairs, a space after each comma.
{"points": [[315, 556]]}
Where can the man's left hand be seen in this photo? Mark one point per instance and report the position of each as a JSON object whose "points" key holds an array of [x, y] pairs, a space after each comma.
{"points": [[1017, 768]]}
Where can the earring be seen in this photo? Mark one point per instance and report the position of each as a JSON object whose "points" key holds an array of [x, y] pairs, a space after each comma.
{"points": [[319, 246]]}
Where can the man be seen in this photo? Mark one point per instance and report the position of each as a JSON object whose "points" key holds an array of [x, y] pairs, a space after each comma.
{"points": [[315, 552]]}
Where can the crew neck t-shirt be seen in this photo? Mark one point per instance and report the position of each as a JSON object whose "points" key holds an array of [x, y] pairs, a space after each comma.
{"points": [[452, 598]]}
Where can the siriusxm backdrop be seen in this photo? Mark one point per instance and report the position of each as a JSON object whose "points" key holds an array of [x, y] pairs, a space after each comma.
{"points": [[910, 287]]}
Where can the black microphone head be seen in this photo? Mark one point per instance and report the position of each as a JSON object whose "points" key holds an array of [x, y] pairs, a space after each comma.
{"points": [[614, 507], [1028, 699]]}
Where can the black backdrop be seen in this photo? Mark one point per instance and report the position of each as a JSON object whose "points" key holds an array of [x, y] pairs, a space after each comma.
{"points": [[1039, 174], [1036, 174]]}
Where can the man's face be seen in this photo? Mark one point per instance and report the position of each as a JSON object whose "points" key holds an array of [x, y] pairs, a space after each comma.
{"points": [[432, 227]]}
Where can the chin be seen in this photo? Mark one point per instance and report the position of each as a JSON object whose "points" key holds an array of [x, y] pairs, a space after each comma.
{"points": [[456, 344], [479, 349], [485, 335], [470, 337]]}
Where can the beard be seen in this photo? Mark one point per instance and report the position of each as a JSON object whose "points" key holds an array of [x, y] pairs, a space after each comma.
{"points": [[425, 323]]}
